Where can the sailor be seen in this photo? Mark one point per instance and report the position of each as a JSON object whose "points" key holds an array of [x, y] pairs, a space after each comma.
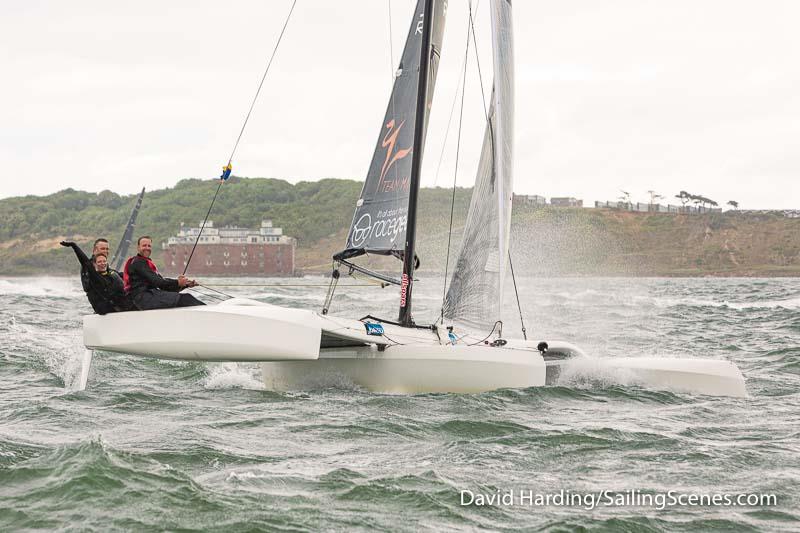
{"points": [[103, 285], [147, 288]]}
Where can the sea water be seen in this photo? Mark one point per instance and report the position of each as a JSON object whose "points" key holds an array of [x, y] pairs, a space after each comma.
{"points": [[154, 445]]}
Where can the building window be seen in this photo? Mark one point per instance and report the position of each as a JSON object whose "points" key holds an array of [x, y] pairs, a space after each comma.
{"points": [[227, 263], [254, 239], [244, 263]]}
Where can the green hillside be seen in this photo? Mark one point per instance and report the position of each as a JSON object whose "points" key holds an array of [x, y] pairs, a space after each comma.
{"points": [[549, 241]]}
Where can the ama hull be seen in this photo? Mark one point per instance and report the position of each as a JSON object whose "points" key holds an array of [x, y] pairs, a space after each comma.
{"points": [[412, 369], [243, 332]]}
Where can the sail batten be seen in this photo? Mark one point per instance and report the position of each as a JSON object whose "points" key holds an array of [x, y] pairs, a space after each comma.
{"points": [[474, 296]]}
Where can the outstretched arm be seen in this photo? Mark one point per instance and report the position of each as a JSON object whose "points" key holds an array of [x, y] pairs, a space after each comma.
{"points": [[85, 261]]}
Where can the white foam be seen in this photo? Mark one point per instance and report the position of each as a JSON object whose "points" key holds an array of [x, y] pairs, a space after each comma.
{"points": [[233, 376], [41, 287], [789, 303], [61, 353], [595, 372]]}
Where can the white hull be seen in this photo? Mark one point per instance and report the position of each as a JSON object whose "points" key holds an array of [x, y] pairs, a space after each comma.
{"points": [[301, 349], [413, 369]]}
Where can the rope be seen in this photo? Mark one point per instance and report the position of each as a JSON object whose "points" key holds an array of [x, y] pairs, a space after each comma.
{"points": [[455, 177], [226, 170], [450, 118], [202, 227], [264, 77], [500, 322], [516, 293], [215, 290], [287, 285]]}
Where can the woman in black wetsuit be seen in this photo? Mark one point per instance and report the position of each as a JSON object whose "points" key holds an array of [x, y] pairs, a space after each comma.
{"points": [[105, 289]]}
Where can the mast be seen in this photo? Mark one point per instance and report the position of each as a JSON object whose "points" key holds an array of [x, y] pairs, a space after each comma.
{"points": [[407, 280], [124, 243]]}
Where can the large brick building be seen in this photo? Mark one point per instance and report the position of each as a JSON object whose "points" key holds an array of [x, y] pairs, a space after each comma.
{"points": [[231, 251]]}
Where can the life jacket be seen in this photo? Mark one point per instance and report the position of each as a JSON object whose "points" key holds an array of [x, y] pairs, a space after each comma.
{"points": [[126, 278]]}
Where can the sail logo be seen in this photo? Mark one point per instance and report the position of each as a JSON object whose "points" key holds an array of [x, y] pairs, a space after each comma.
{"points": [[361, 230], [420, 24], [392, 156], [383, 229], [403, 289]]}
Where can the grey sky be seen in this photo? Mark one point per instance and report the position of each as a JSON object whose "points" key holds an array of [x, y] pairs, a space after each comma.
{"points": [[699, 95]]}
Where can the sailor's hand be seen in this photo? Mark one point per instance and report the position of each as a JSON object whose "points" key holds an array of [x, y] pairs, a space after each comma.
{"points": [[67, 243], [182, 281], [192, 283]]}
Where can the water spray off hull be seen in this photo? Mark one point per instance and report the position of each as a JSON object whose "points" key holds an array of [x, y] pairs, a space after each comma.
{"points": [[302, 349]]}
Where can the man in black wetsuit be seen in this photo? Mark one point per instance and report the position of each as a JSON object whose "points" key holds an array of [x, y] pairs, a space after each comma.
{"points": [[103, 285], [148, 289]]}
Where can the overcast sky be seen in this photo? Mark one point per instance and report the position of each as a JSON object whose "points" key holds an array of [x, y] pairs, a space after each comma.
{"points": [[701, 95]]}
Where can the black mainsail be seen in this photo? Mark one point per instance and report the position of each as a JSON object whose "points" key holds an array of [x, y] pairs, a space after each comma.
{"points": [[384, 221], [380, 220], [127, 237]]}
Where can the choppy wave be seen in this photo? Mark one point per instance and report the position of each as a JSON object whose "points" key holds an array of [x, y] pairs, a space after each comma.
{"points": [[181, 445], [41, 287]]}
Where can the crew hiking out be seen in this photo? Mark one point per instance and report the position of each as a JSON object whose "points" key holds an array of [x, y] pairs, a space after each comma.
{"points": [[103, 285], [147, 288]]}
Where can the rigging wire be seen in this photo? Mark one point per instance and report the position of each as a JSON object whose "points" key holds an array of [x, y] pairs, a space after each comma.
{"points": [[450, 118], [202, 227], [264, 77], [516, 293], [455, 173], [226, 170]]}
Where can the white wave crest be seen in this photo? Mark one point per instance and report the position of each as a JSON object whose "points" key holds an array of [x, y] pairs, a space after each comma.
{"points": [[41, 287], [233, 376]]}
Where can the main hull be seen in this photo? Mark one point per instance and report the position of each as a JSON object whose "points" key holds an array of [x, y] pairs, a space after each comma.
{"points": [[412, 369]]}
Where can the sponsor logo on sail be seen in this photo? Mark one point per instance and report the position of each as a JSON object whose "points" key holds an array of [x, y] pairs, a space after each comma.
{"points": [[361, 230], [383, 232], [393, 155]]}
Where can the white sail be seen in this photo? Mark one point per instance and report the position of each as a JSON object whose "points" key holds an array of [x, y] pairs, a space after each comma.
{"points": [[474, 296]]}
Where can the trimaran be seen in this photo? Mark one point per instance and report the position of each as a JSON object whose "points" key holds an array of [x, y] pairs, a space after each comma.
{"points": [[301, 348]]}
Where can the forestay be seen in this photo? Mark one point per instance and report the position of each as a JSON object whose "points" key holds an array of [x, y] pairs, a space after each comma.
{"points": [[474, 296], [379, 222]]}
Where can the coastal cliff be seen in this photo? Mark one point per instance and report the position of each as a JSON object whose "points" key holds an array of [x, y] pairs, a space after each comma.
{"points": [[546, 241]]}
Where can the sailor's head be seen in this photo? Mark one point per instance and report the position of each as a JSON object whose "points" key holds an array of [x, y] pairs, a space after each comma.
{"points": [[100, 247], [100, 262], [144, 245]]}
